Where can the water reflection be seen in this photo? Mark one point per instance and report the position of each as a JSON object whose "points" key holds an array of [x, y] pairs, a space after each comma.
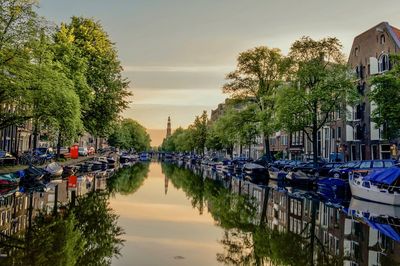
{"points": [[129, 179], [64, 224], [177, 216], [271, 225]]}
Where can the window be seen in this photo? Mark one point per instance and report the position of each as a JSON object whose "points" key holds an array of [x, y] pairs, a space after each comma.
{"points": [[382, 39], [364, 165], [383, 63], [356, 51], [377, 164], [388, 164], [339, 132]]}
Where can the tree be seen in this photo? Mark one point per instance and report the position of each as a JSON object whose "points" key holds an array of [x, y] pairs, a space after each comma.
{"points": [[181, 140], [321, 85], [385, 96], [19, 26], [199, 132], [129, 134], [259, 72], [73, 65], [103, 75], [54, 101]]}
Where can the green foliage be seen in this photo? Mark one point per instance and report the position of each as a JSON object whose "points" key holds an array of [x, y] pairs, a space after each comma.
{"points": [[385, 96], [19, 26], [259, 72], [321, 84], [103, 74], [129, 134], [199, 132]]}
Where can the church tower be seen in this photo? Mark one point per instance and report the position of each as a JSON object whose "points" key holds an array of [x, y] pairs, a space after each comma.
{"points": [[169, 127]]}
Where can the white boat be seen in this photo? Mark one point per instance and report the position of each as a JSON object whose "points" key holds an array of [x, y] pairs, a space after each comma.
{"points": [[379, 186]]}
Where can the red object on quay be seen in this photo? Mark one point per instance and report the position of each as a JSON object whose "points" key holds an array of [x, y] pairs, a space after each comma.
{"points": [[74, 152], [72, 181]]}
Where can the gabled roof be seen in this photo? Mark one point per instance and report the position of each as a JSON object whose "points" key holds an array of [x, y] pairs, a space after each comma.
{"points": [[396, 31]]}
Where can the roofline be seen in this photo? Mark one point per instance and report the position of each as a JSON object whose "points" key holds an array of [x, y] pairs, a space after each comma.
{"points": [[393, 34]]}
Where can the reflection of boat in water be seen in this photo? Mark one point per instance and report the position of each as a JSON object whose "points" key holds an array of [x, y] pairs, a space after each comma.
{"points": [[379, 186], [54, 169], [276, 174], [334, 190], [300, 178], [7, 191], [374, 208], [381, 217]]}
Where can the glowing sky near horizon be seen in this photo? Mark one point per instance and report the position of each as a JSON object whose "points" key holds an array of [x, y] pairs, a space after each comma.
{"points": [[177, 52]]}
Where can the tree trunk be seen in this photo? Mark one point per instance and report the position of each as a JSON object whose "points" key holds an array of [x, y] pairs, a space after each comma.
{"points": [[240, 149], [35, 134], [315, 146], [58, 144], [315, 135], [249, 150], [266, 147]]}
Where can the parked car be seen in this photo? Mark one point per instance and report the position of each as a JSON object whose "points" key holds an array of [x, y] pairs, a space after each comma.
{"points": [[83, 151], [362, 167], [44, 152], [64, 153], [292, 164], [324, 170]]}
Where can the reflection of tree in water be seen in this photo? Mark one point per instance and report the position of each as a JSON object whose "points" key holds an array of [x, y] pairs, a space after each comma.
{"points": [[84, 234], [128, 180], [183, 179], [247, 239]]}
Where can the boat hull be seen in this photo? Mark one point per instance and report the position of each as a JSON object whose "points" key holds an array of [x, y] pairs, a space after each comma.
{"points": [[374, 195]]}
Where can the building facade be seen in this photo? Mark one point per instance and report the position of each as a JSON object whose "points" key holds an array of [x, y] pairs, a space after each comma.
{"points": [[369, 56]]}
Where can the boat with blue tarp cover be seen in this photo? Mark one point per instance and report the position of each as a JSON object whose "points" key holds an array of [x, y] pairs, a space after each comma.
{"points": [[378, 186]]}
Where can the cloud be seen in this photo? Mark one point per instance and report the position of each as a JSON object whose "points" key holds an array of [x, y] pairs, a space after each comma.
{"points": [[184, 69]]}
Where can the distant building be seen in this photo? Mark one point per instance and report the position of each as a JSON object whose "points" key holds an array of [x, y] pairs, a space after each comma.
{"points": [[168, 127]]}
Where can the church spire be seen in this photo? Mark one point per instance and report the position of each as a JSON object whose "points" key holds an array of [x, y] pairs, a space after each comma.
{"points": [[169, 127]]}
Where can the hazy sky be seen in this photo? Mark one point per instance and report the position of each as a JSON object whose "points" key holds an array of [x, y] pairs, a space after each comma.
{"points": [[177, 52]]}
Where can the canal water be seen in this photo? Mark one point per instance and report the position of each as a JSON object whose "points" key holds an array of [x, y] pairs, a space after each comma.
{"points": [[161, 225], [165, 214]]}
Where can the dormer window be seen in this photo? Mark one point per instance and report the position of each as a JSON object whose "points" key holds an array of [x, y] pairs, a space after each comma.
{"points": [[382, 39], [383, 63]]}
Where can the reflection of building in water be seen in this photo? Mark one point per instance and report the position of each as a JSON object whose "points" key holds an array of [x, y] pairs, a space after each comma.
{"points": [[166, 181], [337, 234]]}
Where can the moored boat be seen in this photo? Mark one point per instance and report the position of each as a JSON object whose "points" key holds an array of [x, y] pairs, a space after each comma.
{"points": [[10, 179], [379, 186]]}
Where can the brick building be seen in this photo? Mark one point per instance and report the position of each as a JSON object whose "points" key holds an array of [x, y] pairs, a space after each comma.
{"points": [[369, 56]]}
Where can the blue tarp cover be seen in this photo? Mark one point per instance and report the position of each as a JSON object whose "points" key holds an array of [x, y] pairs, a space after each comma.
{"points": [[386, 176]]}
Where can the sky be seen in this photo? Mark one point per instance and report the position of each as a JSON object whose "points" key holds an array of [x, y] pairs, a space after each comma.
{"points": [[176, 53]]}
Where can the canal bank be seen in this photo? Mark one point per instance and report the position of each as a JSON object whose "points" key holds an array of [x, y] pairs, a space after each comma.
{"points": [[253, 225]]}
